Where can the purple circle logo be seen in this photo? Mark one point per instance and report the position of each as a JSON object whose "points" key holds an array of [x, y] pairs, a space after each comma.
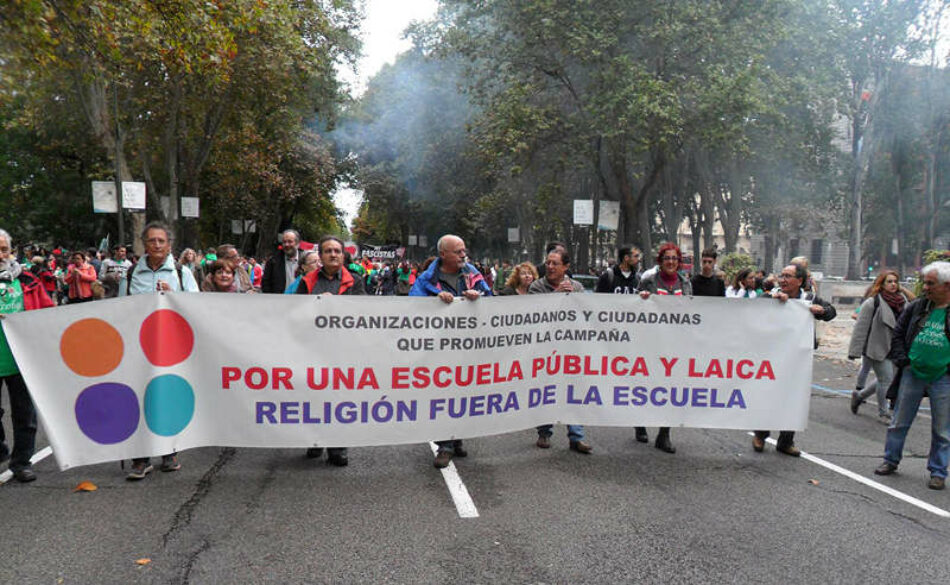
{"points": [[108, 413]]}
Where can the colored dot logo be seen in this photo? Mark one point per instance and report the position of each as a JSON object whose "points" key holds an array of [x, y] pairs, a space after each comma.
{"points": [[109, 412]]}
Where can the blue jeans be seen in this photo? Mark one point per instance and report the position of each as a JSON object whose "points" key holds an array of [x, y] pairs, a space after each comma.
{"points": [[908, 401], [574, 432]]}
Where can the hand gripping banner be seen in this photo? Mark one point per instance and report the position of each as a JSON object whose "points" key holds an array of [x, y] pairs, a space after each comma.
{"points": [[152, 374]]}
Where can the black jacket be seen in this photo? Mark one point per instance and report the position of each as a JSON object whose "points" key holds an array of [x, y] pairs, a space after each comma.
{"points": [[274, 279], [613, 281], [909, 324]]}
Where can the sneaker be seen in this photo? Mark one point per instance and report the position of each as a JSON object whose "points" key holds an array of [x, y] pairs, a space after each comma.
{"points": [[26, 475], [170, 463], [884, 418], [544, 442], [139, 470], [936, 483], [855, 401], [885, 469], [442, 459]]}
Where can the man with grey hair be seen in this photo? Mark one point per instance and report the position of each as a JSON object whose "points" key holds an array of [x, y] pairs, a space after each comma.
{"points": [[280, 269], [920, 347], [19, 291], [156, 271], [448, 277], [791, 283]]}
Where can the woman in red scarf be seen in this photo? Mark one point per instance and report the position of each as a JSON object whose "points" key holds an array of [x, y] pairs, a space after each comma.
{"points": [[871, 339], [665, 281]]}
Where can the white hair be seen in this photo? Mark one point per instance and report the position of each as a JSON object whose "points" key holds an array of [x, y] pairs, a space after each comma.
{"points": [[941, 269], [440, 246], [6, 235]]}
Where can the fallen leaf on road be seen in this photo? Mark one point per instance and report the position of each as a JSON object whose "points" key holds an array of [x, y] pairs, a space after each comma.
{"points": [[143, 561], [813, 481], [86, 486]]}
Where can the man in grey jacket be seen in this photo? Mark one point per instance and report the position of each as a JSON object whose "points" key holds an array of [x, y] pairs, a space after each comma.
{"points": [[555, 279]]}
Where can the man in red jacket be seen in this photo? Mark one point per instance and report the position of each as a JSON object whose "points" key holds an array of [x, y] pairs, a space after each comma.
{"points": [[19, 291], [332, 278]]}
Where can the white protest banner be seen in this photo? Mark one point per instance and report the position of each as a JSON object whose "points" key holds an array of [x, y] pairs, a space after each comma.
{"points": [[151, 374], [514, 235], [133, 195], [103, 197], [583, 212]]}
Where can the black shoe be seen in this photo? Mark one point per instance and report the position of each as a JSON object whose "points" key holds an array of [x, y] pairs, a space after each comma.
{"points": [[442, 459], [338, 459], [641, 435], [885, 469], [459, 449], [25, 475], [663, 443], [314, 452], [855, 401]]}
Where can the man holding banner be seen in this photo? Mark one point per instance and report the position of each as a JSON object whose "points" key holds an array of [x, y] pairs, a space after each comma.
{"points": [[19, 291], [791, 280], [156, 271], [556, 279], [331, 279], [448, 277]]}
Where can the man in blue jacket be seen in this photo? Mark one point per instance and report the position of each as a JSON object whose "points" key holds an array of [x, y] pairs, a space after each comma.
{"points": [[448, 277]]}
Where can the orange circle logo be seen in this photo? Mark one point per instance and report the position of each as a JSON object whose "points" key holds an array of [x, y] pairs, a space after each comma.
{"points": [[91, 347]]}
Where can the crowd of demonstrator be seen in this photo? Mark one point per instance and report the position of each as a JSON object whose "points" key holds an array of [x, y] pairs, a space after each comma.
{"points": [[905, 341]]}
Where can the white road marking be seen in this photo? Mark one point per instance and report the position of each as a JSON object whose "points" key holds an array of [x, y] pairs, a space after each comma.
{"points": [[871, 483], [463, 502], [36, 458]]}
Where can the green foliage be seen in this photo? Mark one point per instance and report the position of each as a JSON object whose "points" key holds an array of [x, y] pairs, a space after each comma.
{"points": [[161, 86], [733, 263]]}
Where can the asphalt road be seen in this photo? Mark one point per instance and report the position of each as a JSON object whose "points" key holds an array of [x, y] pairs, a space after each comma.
{"points": [[715, 512]]}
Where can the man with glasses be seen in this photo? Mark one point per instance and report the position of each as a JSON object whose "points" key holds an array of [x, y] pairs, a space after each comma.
{"points": [[447, 278], [920, 346], [622, 278], [790, 283], [156, 271], [556, 279]]}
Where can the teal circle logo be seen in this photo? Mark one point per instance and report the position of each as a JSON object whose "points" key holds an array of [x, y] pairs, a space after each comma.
{"points": [[169, 404]]}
